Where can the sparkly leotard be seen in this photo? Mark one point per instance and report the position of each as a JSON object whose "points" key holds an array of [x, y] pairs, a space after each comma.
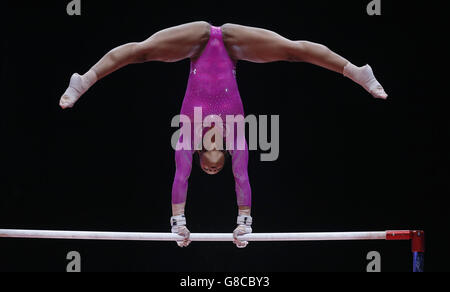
{"points": [[212, 86]]}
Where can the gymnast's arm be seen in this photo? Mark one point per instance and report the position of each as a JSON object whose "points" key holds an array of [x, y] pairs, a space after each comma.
{"points": [[183, 162], [168, 45], [243, 194], [262, 46]]}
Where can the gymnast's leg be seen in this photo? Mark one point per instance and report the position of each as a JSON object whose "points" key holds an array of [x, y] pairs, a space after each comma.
{"points": [[168, 45], [261, 46]]}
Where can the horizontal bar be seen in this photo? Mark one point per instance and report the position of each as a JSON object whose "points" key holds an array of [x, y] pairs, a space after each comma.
{"points": [[140, 236]]}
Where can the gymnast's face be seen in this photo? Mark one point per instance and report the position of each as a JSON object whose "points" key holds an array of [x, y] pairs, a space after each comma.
{"points": [[212, 161]]}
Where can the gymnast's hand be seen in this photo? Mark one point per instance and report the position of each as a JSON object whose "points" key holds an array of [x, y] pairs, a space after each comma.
{"points": [[179, 227], [244, 227]]}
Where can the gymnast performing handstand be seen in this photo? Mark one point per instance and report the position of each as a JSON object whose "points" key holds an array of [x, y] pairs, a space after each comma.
{"points": [[214, 52]]}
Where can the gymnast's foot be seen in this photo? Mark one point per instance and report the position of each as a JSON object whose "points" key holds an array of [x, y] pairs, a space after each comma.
{"points": [[364, 76], [79, 84]]}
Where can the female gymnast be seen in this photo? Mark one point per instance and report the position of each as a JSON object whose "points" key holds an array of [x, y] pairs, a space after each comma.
{"points": [[214, 52]]}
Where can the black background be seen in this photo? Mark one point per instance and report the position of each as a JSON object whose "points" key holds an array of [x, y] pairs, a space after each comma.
{"points": [[347, 162]]}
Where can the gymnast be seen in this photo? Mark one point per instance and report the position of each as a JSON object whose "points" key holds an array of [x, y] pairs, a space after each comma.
{"points": [[214, 52]]}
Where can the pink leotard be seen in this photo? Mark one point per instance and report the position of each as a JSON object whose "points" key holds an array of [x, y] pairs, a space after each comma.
{"points": [[212, 86]]}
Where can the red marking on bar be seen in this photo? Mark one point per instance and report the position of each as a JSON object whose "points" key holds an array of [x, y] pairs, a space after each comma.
{"points": [[417, 238], [418, 241], [399, 235]]}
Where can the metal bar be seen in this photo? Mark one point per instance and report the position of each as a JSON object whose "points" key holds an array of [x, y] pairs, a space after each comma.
{"points": [[141, 236]]}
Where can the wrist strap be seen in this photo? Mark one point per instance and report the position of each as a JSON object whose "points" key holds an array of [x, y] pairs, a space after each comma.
{"points": [[179, 220], [244, 220]]}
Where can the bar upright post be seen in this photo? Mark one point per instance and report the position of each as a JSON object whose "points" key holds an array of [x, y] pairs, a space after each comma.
{"points": [[418, 250]]}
